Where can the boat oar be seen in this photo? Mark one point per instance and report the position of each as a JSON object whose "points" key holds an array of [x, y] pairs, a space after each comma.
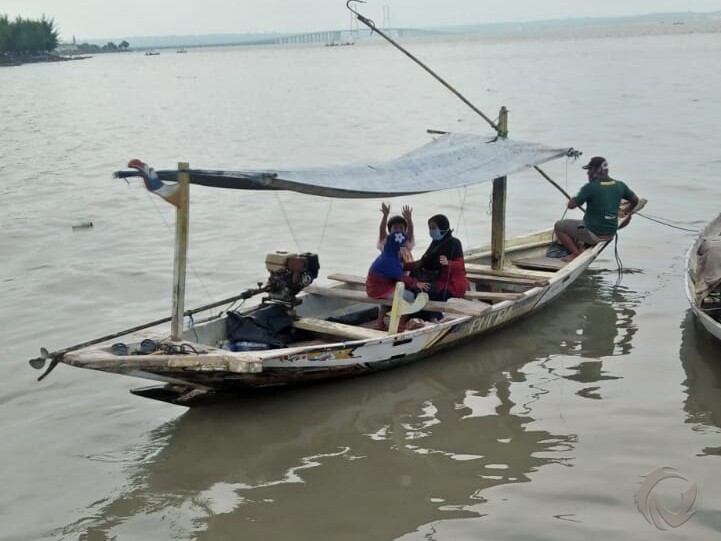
{"points": [[56, 356]]}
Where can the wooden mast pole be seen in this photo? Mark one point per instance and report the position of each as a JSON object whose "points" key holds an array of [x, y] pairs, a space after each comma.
{"points": [[498, 223], [181, 252]]}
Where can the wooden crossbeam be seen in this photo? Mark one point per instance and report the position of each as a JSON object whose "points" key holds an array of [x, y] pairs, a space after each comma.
{"points": [[492, 296], [490, 279], [476, 268], [455, 306], [470, 295], [348, 278], [337, 329], [546, 263]]}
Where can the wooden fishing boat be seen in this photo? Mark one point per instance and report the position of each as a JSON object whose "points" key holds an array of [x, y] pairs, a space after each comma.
{"points": [[703, 277], [304, 332]]}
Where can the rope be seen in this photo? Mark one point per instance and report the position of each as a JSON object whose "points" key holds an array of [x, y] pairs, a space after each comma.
{"points": [[193, 271], [619, 263], [191, 324], [461, 212], [461, 217], [554, 238], [233, 307], [660, 221], [325, 224], [287, 220]]}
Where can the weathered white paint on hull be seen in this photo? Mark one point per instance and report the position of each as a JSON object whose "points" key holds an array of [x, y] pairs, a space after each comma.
{"points": [[707, 322]]}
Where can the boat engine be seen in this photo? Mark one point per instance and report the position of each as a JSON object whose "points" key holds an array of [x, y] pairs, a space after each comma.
{"points": [[289, 274]]}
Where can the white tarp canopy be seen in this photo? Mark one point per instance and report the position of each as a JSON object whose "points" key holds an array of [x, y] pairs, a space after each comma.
{"points": [[449, 161]]}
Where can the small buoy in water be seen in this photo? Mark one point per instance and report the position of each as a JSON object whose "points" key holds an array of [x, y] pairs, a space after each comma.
{"points": [[83, 225]]}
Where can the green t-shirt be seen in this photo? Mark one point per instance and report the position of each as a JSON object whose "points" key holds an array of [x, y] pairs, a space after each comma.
{"points": [[603, 197]]}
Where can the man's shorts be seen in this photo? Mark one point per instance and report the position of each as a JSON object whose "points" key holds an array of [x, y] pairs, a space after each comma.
{"points": [[577, 230]]}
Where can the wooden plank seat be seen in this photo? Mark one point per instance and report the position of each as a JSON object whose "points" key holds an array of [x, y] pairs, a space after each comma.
{"points": [[501, 280], [492, 296], [540, 263], [452, 306], [470, 295], [337, 329], [348, 279], [477, 268]]}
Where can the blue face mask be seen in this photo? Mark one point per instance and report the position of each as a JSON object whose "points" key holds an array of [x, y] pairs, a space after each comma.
{"points": [[436, 234]]}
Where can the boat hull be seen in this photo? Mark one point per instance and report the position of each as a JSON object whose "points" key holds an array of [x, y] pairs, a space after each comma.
{"points": [[709, 323], [223, 372]]}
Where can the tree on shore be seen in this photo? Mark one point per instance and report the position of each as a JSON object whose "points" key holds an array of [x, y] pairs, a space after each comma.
{"points": [[25, 36], [110, 47]]}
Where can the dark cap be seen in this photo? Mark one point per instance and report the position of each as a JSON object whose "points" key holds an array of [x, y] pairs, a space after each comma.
{"points": [[596, 161]]}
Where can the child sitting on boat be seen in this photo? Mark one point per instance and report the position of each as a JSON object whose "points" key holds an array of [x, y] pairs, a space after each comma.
{"points": [[402, 223], [387, 269]]}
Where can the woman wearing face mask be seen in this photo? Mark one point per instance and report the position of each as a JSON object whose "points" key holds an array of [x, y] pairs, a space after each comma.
{"points": [[442, 265]]}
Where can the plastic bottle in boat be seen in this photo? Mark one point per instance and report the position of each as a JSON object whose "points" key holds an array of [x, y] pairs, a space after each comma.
{"points": [[244, 345]]}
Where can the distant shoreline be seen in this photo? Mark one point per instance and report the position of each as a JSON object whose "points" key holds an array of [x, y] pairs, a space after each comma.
{"points": [[525, 32], [654, 24], [7, 59]]}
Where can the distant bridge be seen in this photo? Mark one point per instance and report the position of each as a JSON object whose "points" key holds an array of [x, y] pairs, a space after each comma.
{"points": [[341, 36]]}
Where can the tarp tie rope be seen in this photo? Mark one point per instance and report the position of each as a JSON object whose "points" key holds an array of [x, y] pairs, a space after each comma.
{"points": [[325, 224], [461, 212], [195, 274], [287, 221]]}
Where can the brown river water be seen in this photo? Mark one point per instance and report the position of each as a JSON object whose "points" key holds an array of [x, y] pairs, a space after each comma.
{"points": [[540, 431]]}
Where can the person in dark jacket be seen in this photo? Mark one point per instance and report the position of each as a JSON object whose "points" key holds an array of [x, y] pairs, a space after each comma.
{"points": [[442, 265]]}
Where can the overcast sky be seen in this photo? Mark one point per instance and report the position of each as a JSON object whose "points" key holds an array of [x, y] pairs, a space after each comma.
{"points": [[88, 19]]}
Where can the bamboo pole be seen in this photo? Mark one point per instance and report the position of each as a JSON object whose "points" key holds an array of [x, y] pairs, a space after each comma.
{"points": [[181, 252], [498, 223], [372, 26], [500, 128]]}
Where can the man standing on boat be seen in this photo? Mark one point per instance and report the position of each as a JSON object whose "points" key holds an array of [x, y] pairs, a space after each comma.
{"points": [[603, 196]]}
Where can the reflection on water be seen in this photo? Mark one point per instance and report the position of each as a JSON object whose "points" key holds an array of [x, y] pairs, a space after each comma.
{"points": [[603, 324], [600, 325], [370, 458], [366, 459], [701, 360]]}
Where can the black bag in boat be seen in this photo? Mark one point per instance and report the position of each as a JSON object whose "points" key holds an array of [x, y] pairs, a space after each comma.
{"points": [[264, 325]]}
